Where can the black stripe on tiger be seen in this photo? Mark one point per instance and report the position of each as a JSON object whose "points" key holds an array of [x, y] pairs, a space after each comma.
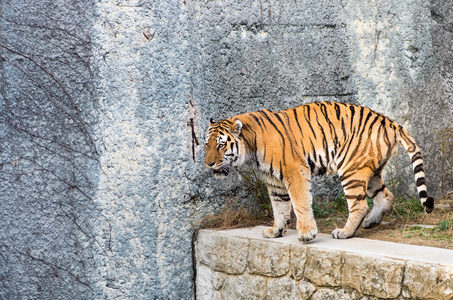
{"points": [[308, 119], [351, 108], [297, 122], [258, 120], [354, 183], [418, 169], [284, 197], [337, 111], [382, 188], [416, 156], [423, 194], [420, 181], [333, 132], [429, 204], [359, 197]]}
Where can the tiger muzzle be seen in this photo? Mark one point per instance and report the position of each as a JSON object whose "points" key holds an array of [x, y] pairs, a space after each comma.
{"points": [[222, 171]]}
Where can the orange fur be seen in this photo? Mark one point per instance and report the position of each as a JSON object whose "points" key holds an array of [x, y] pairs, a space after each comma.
{"points": [[287, 146]]}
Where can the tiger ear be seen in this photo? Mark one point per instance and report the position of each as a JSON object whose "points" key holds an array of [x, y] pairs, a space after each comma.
{"points": [[211, 122], [237, 127]]}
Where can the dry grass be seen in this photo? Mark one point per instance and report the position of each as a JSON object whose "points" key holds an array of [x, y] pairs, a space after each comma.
{"points": [[233, 215], [400, 225]]}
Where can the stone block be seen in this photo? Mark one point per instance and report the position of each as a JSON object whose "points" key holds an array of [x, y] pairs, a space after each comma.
{"points": [[427, 281], [443, 288], [267, 258], [222, 253], [306, 289], [217, 280], [204, 282], [243, 287], [323, 267], [298, 255], [331, 294], [376, 276], [208, 283], [282, 288], [419, 280]]}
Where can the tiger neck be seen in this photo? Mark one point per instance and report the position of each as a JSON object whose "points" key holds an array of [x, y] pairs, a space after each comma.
{"points": [[248, 137]]}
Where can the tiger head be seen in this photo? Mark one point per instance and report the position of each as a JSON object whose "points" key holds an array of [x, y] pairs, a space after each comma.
{"points": [[223, 146]]}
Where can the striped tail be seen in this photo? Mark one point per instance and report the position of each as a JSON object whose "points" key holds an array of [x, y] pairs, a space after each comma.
{"points": [[412, 149]]}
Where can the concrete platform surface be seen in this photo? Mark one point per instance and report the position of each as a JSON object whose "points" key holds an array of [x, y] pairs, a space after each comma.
{"points": [[368, 247]]}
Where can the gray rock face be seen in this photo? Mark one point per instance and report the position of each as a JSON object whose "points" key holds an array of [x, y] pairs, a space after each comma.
{"points": [[48, 152], [104, 105]]}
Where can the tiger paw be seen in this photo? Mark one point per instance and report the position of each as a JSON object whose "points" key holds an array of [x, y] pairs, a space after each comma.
{"points": [[342, 234], [273, 232], [306, 236], [370, 222]]}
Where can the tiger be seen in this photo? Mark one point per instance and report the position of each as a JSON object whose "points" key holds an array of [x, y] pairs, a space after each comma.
{"points": [[287, 147]]}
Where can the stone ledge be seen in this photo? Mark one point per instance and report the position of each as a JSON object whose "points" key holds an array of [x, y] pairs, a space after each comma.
{"points": [[240, 263]]}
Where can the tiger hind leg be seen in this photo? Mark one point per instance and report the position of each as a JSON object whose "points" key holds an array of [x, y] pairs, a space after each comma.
{"points": [[281, 206], [355, 194], [382, 201]]}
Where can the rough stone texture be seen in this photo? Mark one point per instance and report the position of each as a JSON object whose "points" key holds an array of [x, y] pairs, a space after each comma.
{"points": [[354, 272], [270, 260], [323, 267], [104, 104], [425, 281], [243, 287], [375, 276], [204, 282], [140, 54], [297, 261], [94, 150], [306, 289], [340, 294], [49, 165], [282, 288], [209, 283], [444, 283], [223, 254], [419, 281], [442, 32]]}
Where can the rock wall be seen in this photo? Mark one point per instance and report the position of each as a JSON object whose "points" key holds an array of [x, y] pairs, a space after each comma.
{"points": [[104, 105], [240, 264], [48, 152], [143, 84], [389, 56]]}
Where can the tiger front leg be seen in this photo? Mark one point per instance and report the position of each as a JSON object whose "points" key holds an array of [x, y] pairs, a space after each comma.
{"points": [[298, 185], [281, 206], [282, 210]]}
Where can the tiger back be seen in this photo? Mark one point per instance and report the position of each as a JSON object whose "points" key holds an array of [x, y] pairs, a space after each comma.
{"points": [[288, 146]]}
